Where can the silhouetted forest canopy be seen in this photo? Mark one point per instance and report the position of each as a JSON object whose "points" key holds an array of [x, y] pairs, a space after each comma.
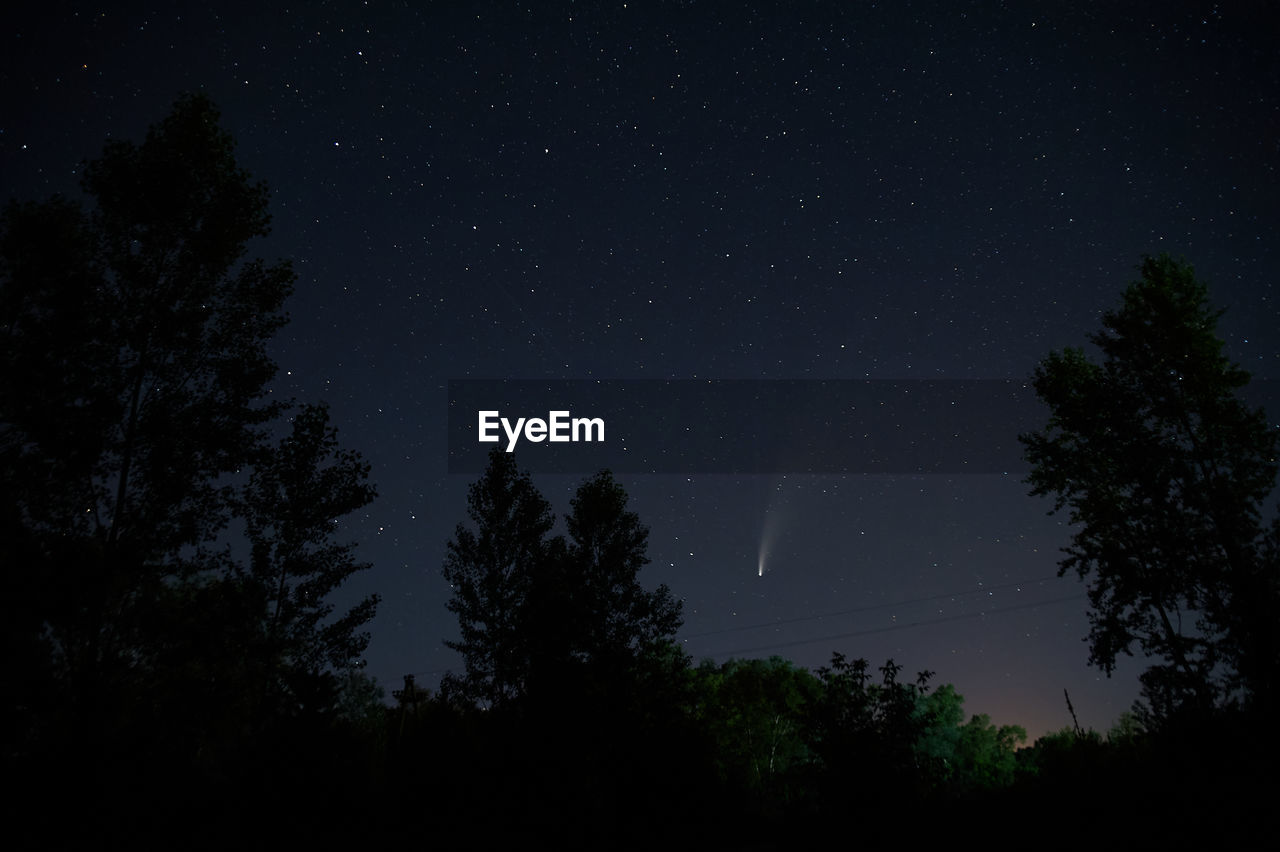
{"points": [[178, 673]]}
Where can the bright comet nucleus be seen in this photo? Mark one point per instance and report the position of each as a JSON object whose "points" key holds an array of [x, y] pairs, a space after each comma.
{"points": [[768, 535]]}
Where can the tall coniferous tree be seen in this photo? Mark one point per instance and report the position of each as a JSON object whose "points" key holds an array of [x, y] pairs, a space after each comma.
{"points": [[535, 609], [608, 546], [293, 502], [491, 570]]}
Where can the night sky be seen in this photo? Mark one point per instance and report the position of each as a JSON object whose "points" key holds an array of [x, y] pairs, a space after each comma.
{"points": [[894, 191]]}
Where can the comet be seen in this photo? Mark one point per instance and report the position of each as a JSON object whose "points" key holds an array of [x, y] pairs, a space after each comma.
{"points": [[768, 537]]}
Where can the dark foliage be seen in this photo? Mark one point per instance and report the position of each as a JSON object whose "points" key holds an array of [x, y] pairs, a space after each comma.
{"points": [[291, 505], [164, 683], [540, 615], [492, 570], [864, 731], [134, 420], [1164, 471]]}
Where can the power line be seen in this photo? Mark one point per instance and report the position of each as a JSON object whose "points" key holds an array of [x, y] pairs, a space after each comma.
{"points": [[855, 611], [869, 631], [869, 608]]}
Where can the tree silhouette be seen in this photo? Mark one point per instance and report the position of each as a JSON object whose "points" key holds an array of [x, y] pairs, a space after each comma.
{"points": [[607, 548], [292, 504], [491, 570], [1164, 471], [538, 613], [865, 734], [133, 411]]}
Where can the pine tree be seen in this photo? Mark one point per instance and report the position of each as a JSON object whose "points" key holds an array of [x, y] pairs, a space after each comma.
{"points": [[491, 570], [538, 613], [293, 502], [608, 548]]}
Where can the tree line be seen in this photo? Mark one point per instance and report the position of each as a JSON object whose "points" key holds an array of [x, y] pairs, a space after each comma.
{"points": [[171, 543]]}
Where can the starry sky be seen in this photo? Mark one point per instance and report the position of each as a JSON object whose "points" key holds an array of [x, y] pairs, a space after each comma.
{"points": [[897, 191]]}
